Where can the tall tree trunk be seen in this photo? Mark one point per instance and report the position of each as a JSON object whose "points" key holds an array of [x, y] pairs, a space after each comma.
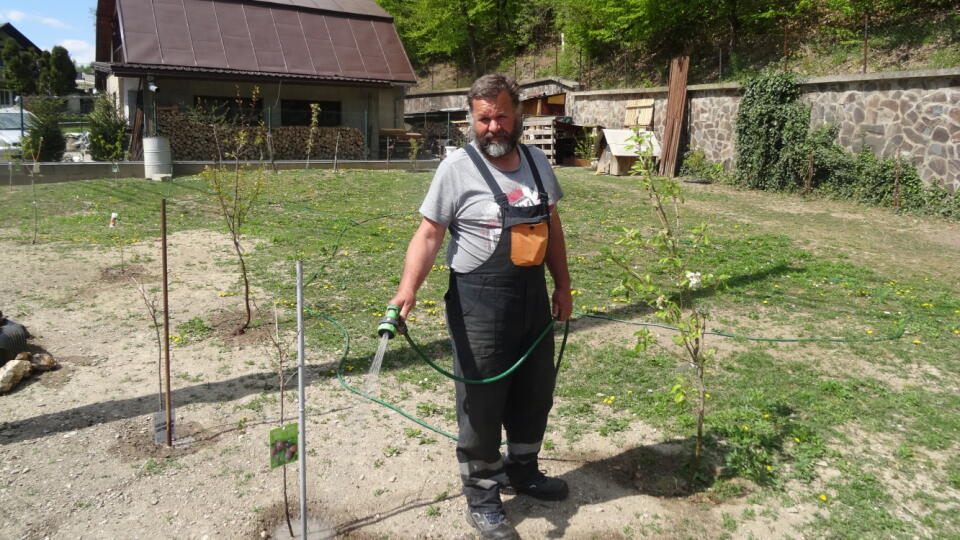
{"points": [[475, 68], [733, 21]]}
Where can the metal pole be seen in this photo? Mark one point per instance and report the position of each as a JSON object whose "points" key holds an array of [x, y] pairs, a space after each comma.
{"points": [[302, 437], [20, 99], [166, 318]]}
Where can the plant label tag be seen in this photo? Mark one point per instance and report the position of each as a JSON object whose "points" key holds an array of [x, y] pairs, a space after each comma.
{"points": [[283, 445], [160, 426]]}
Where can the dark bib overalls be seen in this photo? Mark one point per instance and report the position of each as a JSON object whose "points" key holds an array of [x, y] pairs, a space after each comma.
{"points": [[495, 313]]}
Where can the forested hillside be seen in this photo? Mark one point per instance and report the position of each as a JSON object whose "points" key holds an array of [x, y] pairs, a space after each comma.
{"points": [[609, 43]]}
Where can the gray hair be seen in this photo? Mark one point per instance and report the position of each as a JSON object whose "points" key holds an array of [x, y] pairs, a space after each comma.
{"points": [[489, 87]]}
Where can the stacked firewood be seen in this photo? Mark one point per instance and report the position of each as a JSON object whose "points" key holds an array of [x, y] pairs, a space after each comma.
{"points": [[191, 141]]}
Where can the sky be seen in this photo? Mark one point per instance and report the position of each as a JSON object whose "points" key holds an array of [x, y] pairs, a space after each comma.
{"points": [[68, 23]]}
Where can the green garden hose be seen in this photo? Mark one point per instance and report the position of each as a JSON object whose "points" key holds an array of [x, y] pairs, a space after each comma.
{"points": [[901, 329], [509, 370], [896, 335]]}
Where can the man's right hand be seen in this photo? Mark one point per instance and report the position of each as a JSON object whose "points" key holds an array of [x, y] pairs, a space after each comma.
{"points": [[406, 302]]}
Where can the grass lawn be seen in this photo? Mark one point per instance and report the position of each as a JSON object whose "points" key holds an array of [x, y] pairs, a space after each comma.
{"points": [[864, 426]]}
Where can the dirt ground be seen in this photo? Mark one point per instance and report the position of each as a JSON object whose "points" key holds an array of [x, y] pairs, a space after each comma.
{"points": [[77, 458]]}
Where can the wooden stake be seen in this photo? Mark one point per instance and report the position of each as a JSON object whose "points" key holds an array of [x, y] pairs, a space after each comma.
{"points": [[896, 185]]}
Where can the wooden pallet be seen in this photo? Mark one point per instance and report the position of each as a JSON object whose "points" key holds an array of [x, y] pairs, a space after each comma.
{"points": [[539, 131]]}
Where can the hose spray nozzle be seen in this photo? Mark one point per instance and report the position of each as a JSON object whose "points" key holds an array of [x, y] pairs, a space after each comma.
{"points": [[391, 324]]}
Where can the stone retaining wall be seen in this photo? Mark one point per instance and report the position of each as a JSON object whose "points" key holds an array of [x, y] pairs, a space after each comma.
{"points": [[916, 112]]}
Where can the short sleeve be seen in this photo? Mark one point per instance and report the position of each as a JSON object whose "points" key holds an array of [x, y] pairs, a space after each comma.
{"points": [[440, 202]]}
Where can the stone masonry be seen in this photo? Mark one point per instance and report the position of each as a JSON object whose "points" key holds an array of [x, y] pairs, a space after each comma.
{"points": [[917, 113]]}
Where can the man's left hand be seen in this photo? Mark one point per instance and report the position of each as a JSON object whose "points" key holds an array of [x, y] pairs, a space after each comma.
{"points": [[562, 304]]}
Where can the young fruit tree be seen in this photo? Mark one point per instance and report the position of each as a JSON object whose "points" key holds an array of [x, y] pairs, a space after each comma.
{"points": [[237, 189], [670, 284]]}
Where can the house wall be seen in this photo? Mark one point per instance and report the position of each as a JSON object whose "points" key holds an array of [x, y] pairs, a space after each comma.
{"points": [[367, 109], [120, 88], [915, 112]]}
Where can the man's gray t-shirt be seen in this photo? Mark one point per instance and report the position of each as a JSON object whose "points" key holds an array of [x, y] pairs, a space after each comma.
{"points": [[460, 200]]}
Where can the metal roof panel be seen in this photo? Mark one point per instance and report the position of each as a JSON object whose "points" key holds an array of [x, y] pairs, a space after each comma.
{"points": [[368, 8], [339, 38]]}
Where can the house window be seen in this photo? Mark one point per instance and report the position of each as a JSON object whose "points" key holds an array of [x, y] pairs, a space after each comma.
{"points": [[297, 113], [6, 97], [234, 110]]}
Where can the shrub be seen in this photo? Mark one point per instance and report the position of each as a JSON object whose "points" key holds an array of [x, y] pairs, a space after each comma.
{"points": [[44, 140], [586, 145], [107, 127], [775, 146], [696, 165], [865, 178]]}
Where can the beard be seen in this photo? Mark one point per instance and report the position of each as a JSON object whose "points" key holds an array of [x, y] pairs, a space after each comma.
{"points": [[507, 143], [497, 149]]}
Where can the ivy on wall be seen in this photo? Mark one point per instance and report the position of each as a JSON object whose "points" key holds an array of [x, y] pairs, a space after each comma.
{"points": [[777, 151], [771, 133]]}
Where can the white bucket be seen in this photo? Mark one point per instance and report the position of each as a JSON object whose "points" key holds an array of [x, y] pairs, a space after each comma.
{"points": [[157, 164]]}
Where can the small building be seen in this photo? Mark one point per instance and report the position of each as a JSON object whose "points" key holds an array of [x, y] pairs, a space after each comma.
{"points": [[160, 59], [620, 152]]}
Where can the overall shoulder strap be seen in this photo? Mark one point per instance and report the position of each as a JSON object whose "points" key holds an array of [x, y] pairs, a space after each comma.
{"points": [[484, 170], [535, 171]]}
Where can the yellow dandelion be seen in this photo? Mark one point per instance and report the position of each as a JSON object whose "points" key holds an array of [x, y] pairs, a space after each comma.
{"points": [[823, 497], [870, 332], [765, 302], [957, 332], [796, 439], [769, 467], [766, 415], [707, 396], [916, 342], [745, 428]]}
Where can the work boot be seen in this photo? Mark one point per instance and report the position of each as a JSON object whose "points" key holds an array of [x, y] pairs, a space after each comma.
{"points": [[492, 524], [528, 479]]}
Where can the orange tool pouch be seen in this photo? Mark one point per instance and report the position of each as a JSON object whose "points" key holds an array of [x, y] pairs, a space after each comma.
{"points": [[528, 243]]}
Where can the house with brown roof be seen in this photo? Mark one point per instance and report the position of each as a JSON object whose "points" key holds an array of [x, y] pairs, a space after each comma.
{"points": [[345, 55]]}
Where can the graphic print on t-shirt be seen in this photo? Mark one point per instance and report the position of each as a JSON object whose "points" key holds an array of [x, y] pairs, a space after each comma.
{"points": [[520, 196]]}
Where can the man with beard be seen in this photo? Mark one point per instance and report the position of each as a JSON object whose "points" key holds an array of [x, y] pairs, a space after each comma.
{"points": [[498, 199]]}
